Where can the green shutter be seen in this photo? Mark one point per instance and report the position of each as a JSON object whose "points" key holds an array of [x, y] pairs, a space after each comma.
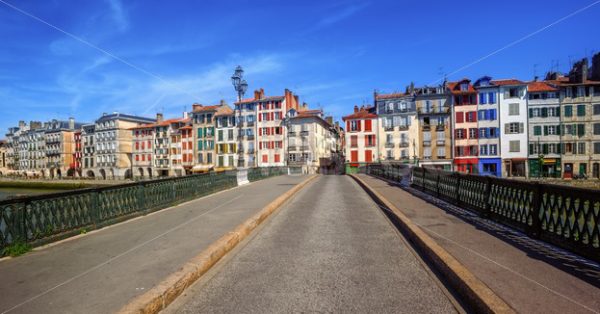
{"points": [[568, 111], [545, 130], [580, 110], [200, 145], [544, 112], [537, 130], [580, 130], [530, 112], [558, 129]]}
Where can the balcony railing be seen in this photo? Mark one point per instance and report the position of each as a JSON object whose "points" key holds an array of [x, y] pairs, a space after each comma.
{"points": [[440, 127], [440, 142], [403, 144], [388, 128], [389, 145], [403, 127], [426, 143], [426, 127], [304, 133]]}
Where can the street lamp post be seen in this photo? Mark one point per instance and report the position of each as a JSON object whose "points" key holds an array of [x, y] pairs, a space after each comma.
{"points": [[240, 86]]}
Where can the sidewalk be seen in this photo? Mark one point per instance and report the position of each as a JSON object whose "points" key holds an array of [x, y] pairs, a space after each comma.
{"points": [[102, 271], [530, 275]]}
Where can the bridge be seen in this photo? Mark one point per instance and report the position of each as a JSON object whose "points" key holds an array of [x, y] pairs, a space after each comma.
{"points": [[379, 241]]}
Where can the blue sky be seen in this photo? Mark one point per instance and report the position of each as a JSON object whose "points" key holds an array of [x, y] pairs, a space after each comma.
{"points": [[332, 53]]}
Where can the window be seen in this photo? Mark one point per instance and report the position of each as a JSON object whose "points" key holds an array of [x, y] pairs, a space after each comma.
{"points": [[551, 130], [580, 130], [368, 125], [482, 98], [441, 152], [513, 128], [483, 150], [568, 111], [537, 130], [596, 147], [597, 108], [513, 93], [369, 140], [460, 133], [513, 109], [389, 138], [473, 133], [580, 110], [492, 98], [514, 146], [596, 128], [354, 141], [493, 149], [354, 125], [581, 148]]}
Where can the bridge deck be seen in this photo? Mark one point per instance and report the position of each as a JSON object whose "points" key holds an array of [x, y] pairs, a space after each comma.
{"points": [[101, 272], [530, 275], [330, 249]]}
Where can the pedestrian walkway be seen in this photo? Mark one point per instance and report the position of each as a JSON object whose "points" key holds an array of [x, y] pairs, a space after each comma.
{"points": [[530, 275], [329, 250], [102, 271]]}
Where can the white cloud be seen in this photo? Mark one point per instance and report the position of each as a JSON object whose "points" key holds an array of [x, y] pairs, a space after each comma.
{"points": [[118, 15]]}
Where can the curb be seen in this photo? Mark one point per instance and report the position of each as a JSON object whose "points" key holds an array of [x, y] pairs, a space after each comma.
{"points": [[159, 297], [473, 291]]}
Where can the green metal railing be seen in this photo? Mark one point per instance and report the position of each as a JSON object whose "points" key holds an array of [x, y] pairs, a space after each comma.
{"points": [[41, 219], [255, 174], [565, 216]]}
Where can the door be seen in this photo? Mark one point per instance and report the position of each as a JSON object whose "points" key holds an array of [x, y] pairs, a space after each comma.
{"points": [[568, 174], [596, 170], [582, 168]]}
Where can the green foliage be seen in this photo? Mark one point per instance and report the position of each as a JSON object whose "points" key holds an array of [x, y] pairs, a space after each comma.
{"points": [[16, 249]]}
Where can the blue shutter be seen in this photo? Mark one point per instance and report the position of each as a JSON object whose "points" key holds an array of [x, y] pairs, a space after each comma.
{"points": [[492, 98]]}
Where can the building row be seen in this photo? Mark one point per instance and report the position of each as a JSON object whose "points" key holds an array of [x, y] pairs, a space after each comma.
{"points": [[506, 127], [262, 131]]}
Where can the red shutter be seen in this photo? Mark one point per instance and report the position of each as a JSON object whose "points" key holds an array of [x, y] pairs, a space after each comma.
{"points": [[276, 157], [259, 117], [259, 145], [368, 156], [348, 126], [459, 117], [473, 116], [367, 125], [358, 126], [354, 156], [259, 131]]}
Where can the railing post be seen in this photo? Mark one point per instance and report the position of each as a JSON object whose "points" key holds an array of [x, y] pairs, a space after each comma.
{"points": [[20, 223], [437, 184], [536, 207], [422, 178], [141, 198], [457, 191], [488, 197]]}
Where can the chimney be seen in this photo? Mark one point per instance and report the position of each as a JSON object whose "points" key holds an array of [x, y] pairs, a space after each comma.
{"points": [[257, 94], [33, 125], [329, 120], [159, 117], [596, 67], [196, 106], [21, 124], [579, 72], [297, 101], [222, 102], [71, 123], [185, 115], [535, 78], [355, 108]]}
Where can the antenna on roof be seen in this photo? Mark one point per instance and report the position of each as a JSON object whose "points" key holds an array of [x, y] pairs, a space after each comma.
{"points": [[535, 65]]}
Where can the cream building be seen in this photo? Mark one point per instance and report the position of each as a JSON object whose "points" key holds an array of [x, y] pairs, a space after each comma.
{"points": [[397, 128], [312, 142], [226, 139], [113, 150]]}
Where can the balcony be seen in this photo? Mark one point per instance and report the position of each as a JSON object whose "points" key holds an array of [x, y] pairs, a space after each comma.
{"points": [[440, 142], [426, 128], [388, 128], [389, 145], [291, 133], [440, 127], [293, 148], [304, 133], [426, 143], [403, 127], [251, 151], [249, 123], [403, 144]]}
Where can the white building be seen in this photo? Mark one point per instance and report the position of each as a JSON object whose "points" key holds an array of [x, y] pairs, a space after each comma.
{"points": [[513, 126]]}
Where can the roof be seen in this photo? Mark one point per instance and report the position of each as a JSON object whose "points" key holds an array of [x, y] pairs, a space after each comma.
{"points": [[162, 123], [535, 87], [126, 117], [362, 113], [454, 87], [201, 108], [391, 95], [224, 110], [507, 82]]}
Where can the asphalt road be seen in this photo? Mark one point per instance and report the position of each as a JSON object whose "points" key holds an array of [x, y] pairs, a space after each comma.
{"points": [[102, 271], [330, 249]]}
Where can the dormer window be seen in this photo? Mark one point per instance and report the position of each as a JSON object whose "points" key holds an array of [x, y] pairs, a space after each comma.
{"points": [[464, 87]]}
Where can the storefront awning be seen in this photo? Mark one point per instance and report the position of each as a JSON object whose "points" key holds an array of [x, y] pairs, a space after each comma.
{"points": [[202, 168], [549, 161]]}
